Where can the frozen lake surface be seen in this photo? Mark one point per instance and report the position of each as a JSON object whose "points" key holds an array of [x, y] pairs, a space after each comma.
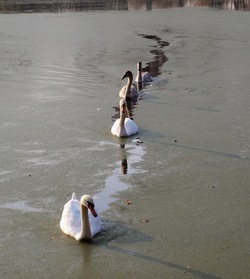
{"points": [[187, 178]]}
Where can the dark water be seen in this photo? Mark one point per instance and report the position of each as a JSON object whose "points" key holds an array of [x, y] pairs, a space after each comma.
{"points": [[8, 6]]}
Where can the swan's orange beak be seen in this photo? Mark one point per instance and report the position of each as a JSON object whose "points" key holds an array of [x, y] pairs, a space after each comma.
{"points": [[92, 210]]}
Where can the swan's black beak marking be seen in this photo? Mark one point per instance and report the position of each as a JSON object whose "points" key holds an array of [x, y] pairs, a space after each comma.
{"points": [[124, 77], [123, 108], [91, 207]]}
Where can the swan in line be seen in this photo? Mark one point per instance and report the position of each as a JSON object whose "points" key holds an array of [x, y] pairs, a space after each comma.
{"points": [[79, 222], [142, 76], [128, 90], [124, 126]]}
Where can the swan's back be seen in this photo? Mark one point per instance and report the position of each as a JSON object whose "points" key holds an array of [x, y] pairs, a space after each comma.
{"points": [[71, 217], [146, 77], [116, 128], [131, 127], [133, 92], [142, 76]]}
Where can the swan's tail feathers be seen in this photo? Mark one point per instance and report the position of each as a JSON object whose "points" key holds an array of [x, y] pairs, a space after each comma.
{"points": [[74, 196]]}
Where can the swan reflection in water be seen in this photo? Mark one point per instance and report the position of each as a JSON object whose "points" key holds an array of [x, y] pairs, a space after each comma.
{"points": [[136, 154], [124, 161]]}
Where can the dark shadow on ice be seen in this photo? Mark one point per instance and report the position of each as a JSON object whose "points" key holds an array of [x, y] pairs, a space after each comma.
{"points": [[168, 264], [154, 67], [212, 152], [115, 233]]}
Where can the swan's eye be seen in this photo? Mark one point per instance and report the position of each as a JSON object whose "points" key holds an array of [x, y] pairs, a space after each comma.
{"points": [[90, 204]]}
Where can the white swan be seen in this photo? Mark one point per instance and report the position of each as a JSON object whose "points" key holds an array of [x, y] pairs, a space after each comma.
{"points": [[142, 76], [79, 222], [124, 126], [128, 90]]}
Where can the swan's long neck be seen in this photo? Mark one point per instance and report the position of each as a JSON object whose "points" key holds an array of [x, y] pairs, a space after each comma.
{"points": [[123, 115], [85, 230], [129, 83], [139, 74], [139, 77]]}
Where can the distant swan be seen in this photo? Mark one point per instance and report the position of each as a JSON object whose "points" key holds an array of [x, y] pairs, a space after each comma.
{"points": [[142, 76], [128, 90], [124, 126], [79, 222]]}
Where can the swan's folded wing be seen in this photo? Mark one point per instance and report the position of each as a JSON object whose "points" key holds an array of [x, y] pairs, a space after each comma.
{"points": [[122, 93], [131, 127], [71, 218], [116, 130], [146, 77]]}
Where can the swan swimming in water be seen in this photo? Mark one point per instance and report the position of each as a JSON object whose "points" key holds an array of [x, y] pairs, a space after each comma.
{"points": [[124, 126], [142, 76], [79, 222], [128, 90]]}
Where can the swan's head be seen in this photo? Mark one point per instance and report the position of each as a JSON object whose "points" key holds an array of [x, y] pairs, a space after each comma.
{"points": [[88, 202], [128, 74], [123, 105], [139, 65]]}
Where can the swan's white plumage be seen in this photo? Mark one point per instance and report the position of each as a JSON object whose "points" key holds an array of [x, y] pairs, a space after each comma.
{"points": [[146, 77], [124, 126], [71, 220], [132, 92], [142, 76], [130, 128], [128, 90]]}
